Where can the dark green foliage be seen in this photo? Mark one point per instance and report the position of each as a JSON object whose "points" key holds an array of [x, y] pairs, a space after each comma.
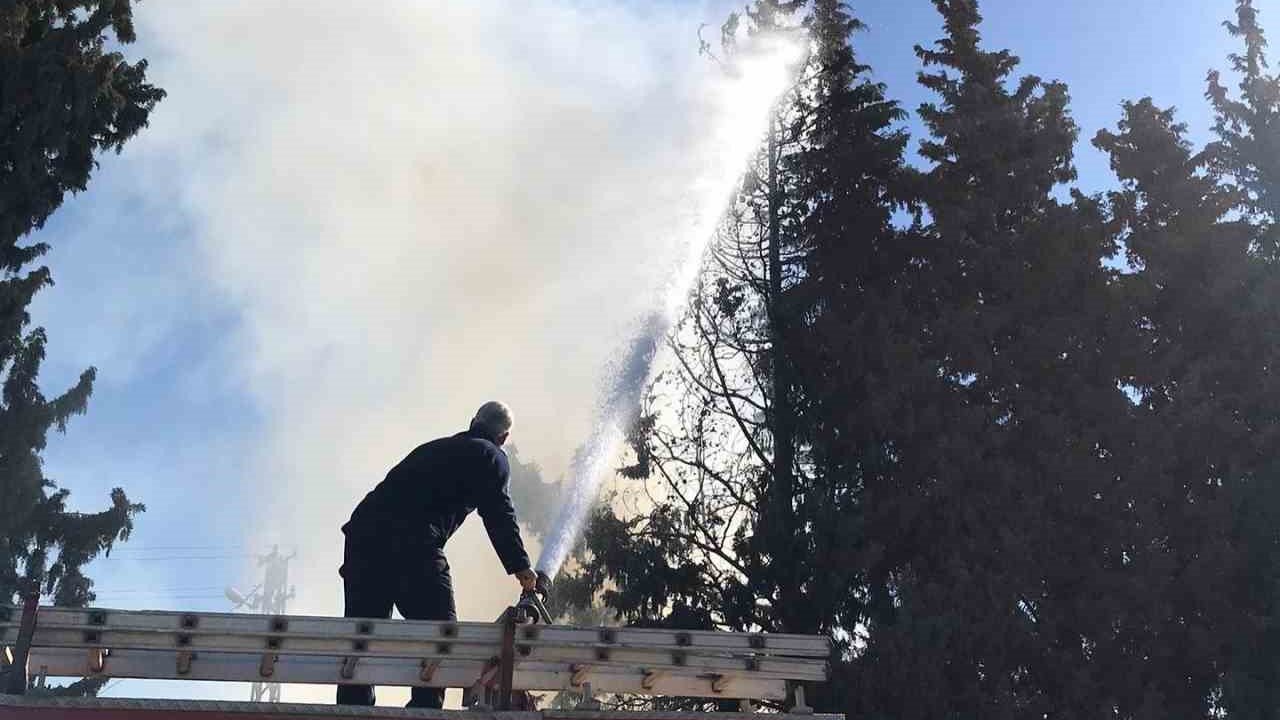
{"points": [[987, 504], [64, 96], [1193, 302], [1248, 129], [84, 687], [534, 497], [1212, 313]]}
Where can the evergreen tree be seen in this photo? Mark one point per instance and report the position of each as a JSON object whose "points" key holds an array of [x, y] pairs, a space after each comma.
{"points": [[853, 339], [1205, 238], [997, 523], [1248, 155], [734, 543], [1248, 129], [1192, 296], [65, 95]]}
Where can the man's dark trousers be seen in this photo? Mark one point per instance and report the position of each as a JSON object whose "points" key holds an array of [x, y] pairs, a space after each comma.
{"points": [[416, 581]]}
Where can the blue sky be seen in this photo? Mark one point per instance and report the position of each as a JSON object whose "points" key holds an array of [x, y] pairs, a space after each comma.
{"points": [[1105, 51], [187, 413]]}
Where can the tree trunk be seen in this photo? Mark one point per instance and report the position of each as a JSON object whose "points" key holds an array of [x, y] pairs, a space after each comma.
{"points": [[781, 420]]}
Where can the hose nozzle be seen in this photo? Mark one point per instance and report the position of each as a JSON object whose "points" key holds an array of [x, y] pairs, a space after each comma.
{"points": [[530, 608]]}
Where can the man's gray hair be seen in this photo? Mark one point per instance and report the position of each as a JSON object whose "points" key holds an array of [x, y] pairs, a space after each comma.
{"points": [[493, 419]]}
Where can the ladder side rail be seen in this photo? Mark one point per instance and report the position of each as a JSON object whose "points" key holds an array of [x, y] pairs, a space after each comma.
{"points": [[381, 671], [258, 625], [164, 637], [701, 640], [759, 643], [443, 636], [796, 669]]}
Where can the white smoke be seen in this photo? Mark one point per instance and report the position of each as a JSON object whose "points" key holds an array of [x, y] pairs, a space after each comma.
{"points": [[419, 206]]}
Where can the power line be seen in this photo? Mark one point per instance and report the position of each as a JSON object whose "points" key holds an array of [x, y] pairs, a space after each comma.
{"points": [[133, 547], [192, 588], [166, 558], [177, 596]]}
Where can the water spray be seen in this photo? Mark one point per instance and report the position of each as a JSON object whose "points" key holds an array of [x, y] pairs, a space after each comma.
{"points": [[758, 77], [617, 413]]}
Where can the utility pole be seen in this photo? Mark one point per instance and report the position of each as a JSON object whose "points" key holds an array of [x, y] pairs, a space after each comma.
{"points": [[269, 598]]}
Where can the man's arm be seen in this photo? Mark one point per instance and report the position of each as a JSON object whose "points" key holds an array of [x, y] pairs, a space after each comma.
{"points": [[499, 515]]}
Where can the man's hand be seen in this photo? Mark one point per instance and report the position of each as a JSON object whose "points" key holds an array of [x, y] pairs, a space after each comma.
{"points": [[528, 579]]}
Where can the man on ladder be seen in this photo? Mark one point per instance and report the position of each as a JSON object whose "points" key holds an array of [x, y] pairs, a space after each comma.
{"points": [[394, 553]]}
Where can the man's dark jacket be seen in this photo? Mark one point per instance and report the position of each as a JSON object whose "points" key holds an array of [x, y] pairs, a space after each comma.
{"points": [[425, 498]]}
